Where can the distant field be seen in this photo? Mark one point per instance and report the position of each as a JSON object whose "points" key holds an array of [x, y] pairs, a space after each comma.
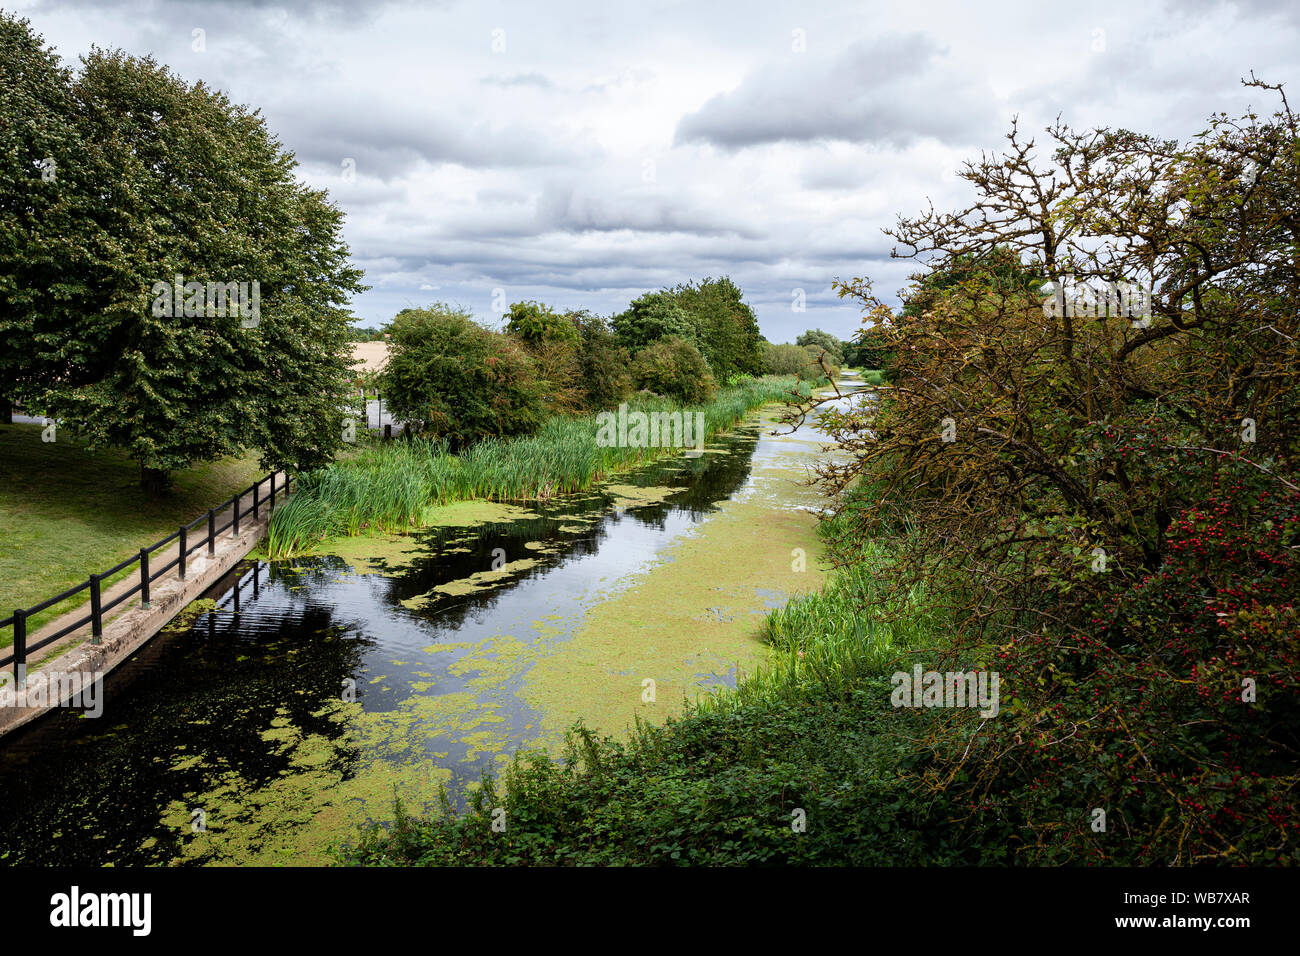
{"points": [[370, 356], [65, 512]]}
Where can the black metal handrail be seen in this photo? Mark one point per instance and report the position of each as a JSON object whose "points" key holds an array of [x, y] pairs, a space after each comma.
{"points": [[98, 608]]}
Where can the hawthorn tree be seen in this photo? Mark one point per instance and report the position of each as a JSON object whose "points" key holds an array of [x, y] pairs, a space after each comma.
{"points": [[1095, 485]]}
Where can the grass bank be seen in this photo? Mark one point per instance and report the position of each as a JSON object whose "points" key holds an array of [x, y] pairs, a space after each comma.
{"points": [[393, 486], [66, 512]]}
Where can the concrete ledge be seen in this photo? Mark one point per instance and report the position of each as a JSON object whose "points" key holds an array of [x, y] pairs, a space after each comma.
{"points": [[124, 634]]}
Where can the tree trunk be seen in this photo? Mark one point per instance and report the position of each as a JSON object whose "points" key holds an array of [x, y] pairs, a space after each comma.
{"points": [[6, 410], [154, 481]]}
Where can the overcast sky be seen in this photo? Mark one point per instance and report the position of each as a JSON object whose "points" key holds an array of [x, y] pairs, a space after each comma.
{"points": [[582, 153]]}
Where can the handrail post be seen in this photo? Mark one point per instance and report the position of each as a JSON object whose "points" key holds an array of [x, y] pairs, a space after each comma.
{"points": [[255, 491], [96, 611], [212, 532], [183, 542], [234, 531], [20, 648], [270, 508], [144, 578]]}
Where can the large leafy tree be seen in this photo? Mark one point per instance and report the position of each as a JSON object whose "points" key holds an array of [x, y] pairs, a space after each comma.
{"points": [[537, 322], [192, 185], [606, 378], [988, 271], [869, 349], [651, 317], [48, 239], [726, 328], [828, 343]]}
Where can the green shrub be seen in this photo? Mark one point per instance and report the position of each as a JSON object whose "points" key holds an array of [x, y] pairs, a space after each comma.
{"points": [[825, 341], [712, 315], [458, 381], [606, 375], [869, 349], [785, 359], [822, 366], [796, 360], [536, 322], [674, 368], [653, 316]]}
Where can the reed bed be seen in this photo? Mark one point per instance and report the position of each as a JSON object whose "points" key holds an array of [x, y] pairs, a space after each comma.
{"points": [[832, 639], [395, 485]]}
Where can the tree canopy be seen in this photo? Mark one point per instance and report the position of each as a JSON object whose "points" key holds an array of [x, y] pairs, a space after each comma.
{"points": [[1101, 501], [710, 315], [175, 205]]}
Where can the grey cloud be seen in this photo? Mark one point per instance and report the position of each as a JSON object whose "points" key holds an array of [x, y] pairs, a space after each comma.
{"points": [[523, 170], [566, 209], [1248, 10], [185, 10], [891, 90], [388, 142]]}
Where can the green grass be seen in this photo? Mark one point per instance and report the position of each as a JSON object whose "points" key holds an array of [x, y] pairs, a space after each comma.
{"points": [[873, 376], [66, 512], [394, 485]]}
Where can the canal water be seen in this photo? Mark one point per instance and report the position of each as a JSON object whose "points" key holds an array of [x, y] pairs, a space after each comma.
{"points": [[300, 698]]}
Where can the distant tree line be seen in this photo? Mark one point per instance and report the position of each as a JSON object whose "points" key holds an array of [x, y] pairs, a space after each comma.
{"points": [[460, 380]]}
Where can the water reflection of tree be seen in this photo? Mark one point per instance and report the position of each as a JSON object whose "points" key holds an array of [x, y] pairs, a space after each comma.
{"points": [[453, 554]]}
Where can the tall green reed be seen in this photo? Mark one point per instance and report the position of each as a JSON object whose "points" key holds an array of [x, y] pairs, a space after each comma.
{"points": [[394, 485]]}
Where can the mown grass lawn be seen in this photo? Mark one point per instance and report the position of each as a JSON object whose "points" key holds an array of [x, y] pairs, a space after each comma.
{"points": [[65, 512]]}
